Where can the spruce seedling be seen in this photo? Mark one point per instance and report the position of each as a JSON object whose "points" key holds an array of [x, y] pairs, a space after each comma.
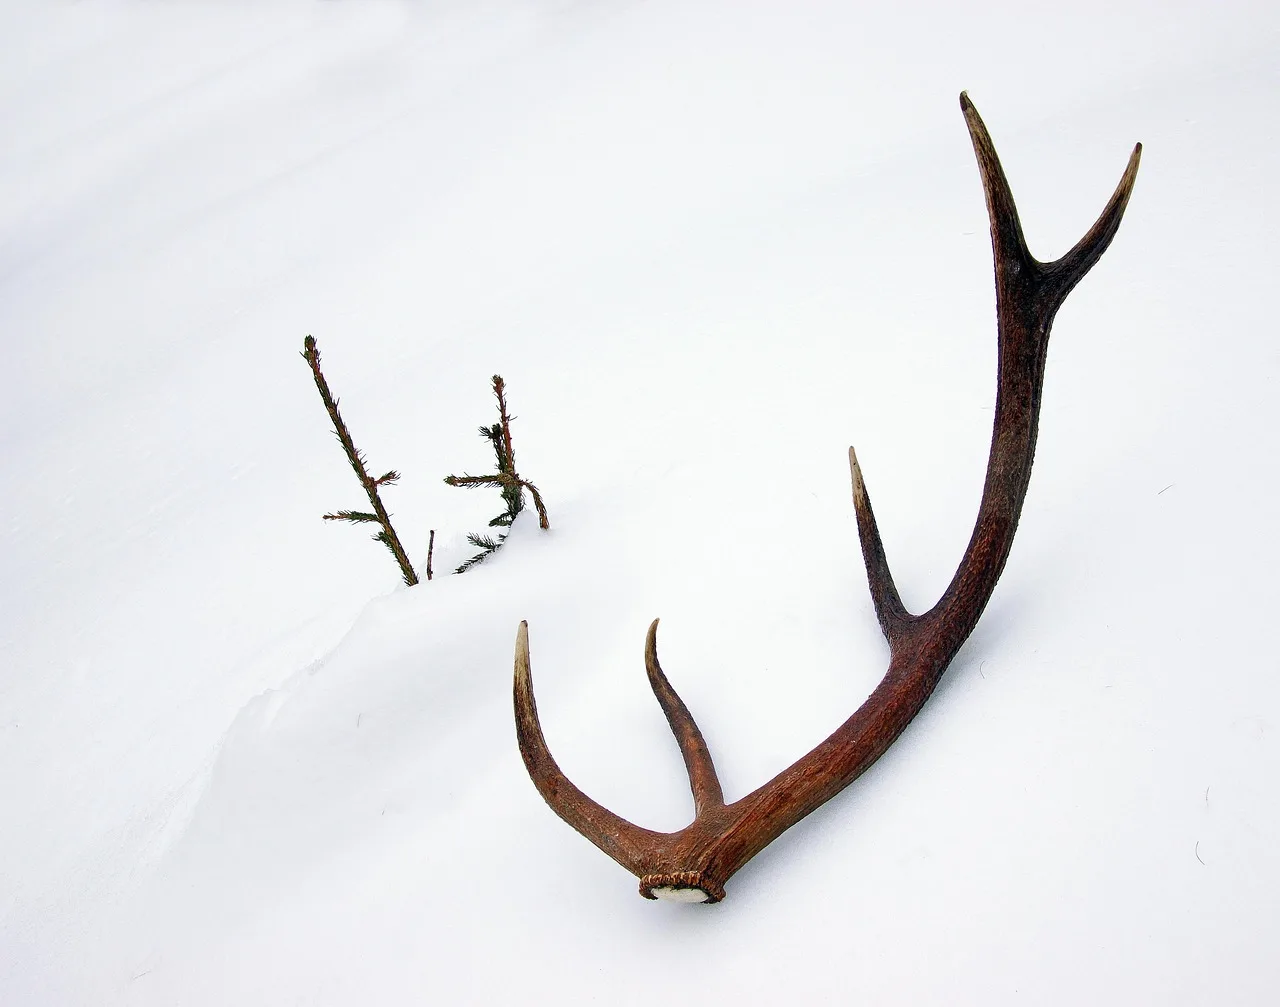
{"points": [[387, 534], [507, 480]]}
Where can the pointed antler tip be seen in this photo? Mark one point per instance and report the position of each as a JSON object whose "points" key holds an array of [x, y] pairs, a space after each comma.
{"points": [[855, 476], [972, 116], [651, 646], [522, 644], [1131, 169]]}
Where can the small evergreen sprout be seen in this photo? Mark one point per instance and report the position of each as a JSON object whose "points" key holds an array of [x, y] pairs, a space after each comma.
{"points": [[386, 534], [507, 481]]}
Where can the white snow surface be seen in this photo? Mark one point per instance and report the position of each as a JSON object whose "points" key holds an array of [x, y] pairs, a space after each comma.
{"points": [[708, 245]]}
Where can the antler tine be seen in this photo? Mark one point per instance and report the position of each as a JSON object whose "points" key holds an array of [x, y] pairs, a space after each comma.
{"points": [[1007, 240], [703, 780], [890, 612], [617, 837], [1070, 269], [692, 865]]}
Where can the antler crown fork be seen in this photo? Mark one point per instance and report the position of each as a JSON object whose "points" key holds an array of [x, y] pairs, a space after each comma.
{"points": [[692, 865]]}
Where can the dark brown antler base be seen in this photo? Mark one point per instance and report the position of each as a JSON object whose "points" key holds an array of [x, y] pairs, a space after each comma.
{"points": [[692, 865], [683, 886]]}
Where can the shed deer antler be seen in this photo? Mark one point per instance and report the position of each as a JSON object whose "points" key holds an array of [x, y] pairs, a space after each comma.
{"points": [[693, 864]]}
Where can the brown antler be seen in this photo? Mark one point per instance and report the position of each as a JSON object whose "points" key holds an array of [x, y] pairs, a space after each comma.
{"points": [[693, 864]]}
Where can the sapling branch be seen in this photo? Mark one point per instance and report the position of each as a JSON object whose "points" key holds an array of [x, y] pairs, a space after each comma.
{"points": [[387, 535], [354, 516], [506, 480]]}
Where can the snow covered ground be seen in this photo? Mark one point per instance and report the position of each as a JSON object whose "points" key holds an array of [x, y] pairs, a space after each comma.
{"points": [[708, 245]]}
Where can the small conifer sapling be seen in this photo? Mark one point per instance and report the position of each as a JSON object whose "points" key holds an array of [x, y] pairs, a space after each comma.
{"points": [[506, 480], [386, 534]]}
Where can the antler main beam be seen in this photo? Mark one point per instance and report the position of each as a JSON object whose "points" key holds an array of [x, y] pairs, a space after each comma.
{"points": [[692, 865]]}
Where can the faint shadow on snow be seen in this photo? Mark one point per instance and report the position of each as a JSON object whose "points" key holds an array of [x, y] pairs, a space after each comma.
{"points": [[356, 748], [306, 648], [331, 741]]}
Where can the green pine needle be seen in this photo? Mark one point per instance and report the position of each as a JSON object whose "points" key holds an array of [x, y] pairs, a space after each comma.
{"points": [[487, 547], [466, 480], [355, 516]]}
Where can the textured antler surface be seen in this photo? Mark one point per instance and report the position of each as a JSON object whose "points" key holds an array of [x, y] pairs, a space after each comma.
{"points": [[694, 863]]}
